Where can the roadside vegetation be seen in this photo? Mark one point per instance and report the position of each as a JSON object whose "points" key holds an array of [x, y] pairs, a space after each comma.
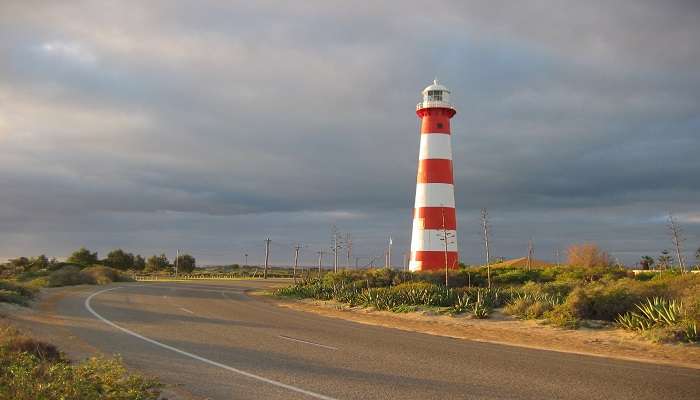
{"points": [[589, 292], [31, 369], [21, 277]]}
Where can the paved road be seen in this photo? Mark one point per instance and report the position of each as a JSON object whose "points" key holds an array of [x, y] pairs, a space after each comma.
{"points": [[220, 343]]}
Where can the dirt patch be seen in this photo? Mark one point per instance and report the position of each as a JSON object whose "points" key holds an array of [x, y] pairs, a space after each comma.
{"points": [[606, 342]]}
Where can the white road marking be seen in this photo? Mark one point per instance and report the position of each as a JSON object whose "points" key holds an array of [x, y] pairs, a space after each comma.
{"points": [[186, 310], [194, 356], [307, 342]]}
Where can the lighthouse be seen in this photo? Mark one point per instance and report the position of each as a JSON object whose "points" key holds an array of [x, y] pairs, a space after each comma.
{"points": [[434, 235]]}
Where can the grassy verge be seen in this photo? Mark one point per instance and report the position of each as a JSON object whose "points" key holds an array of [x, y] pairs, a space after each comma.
{"points": [[561, 296], [31, 369], [22, 291], [14, 293]]}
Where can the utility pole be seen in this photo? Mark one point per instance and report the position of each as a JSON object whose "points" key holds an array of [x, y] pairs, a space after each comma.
{"points": [[485, 225], [556, 256], [529, 254], [320, 261], [246, 259], [388, 257], [677, 239], [296, 261], [405, 261], [267, 256], [348, 243], [335, 247]]}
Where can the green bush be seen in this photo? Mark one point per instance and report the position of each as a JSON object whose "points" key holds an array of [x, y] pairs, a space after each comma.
{"points": [[664, 319], [68, 276], [105, 275], [14, 293], [31, 370], [562, 317]]}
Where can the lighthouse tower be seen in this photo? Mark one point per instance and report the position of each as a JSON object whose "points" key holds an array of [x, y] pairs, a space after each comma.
{"points": [[434, 217]]}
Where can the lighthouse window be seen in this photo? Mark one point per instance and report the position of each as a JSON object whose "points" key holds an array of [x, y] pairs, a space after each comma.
{"points": [[439, 125], [435, 95]]}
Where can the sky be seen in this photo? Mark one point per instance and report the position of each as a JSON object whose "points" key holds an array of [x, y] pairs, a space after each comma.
{"points": [[209, 126]]}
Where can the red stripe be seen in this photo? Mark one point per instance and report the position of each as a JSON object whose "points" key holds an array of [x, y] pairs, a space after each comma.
{"points": [[435, 120], [432, 217], [435, 171], [435, 260]]}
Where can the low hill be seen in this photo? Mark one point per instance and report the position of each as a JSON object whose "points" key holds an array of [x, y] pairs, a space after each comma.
{"points": [[522, 263]]}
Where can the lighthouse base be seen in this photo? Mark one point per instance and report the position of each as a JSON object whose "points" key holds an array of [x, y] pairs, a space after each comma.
{"points": [[433, 260]]}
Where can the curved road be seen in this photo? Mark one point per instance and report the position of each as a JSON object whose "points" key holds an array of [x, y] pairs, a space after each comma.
{"points": [[217, 342]]}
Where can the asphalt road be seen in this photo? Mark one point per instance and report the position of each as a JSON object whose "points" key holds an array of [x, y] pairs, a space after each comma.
{"points": [[217, 342]]}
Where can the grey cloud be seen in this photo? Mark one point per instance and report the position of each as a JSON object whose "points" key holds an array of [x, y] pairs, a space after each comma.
{"points": [[246, 119]]}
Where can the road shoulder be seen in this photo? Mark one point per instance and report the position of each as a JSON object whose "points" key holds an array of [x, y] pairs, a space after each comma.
{"points": [[609, 343], [42, 320]]}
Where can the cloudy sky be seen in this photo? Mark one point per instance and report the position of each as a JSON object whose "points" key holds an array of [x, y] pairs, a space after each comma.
{"points": [[208, 126]]}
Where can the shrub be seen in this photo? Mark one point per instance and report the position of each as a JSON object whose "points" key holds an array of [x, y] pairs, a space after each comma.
{"points": [[15, 341], [13, 293], [105, 275], [532, 302], [666, 319], [31, 369], [69, 275], [562, 317]]}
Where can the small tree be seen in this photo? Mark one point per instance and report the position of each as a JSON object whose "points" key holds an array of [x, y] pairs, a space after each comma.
{"points": [[139, 263], [646, 262], [587, 255], [120, 259], [185, 264], [83, 257], [665, 259], [697, 258], [157, 263]]}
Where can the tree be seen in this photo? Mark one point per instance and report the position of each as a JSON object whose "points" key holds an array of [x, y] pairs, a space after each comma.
{"points": [[587, 255], [646, 262], [665, 259], [697, 258], [139, 263], [677, 239], [185, 263], [120, 259], [83, 257], [485, 225], [157, 263]]}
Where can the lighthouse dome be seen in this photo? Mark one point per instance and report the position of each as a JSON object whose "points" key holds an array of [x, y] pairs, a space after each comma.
{"points": [[435, 96], [435, 86]]}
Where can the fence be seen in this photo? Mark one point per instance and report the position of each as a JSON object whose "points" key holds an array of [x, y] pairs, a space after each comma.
{"points": [[221, 276]]}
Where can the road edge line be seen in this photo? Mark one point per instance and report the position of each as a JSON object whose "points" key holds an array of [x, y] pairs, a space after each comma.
{"points": [[194, 356]]}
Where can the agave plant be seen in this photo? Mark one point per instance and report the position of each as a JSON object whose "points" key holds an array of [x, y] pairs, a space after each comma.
{"points": [[661, 311]]}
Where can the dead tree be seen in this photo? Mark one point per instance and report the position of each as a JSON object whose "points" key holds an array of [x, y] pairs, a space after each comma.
{"points": [[485, 226], [677, 239], [447, 238]]}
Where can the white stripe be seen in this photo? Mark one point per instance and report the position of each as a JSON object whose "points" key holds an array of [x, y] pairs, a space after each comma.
{"points": [[435, 195], [435, 146], [430, 240], [415, 265], [307, 342], [194, 356], [186, 310]]}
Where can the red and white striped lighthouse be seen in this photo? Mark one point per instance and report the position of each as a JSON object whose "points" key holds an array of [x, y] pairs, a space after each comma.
{"points": [[434, 216]]}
